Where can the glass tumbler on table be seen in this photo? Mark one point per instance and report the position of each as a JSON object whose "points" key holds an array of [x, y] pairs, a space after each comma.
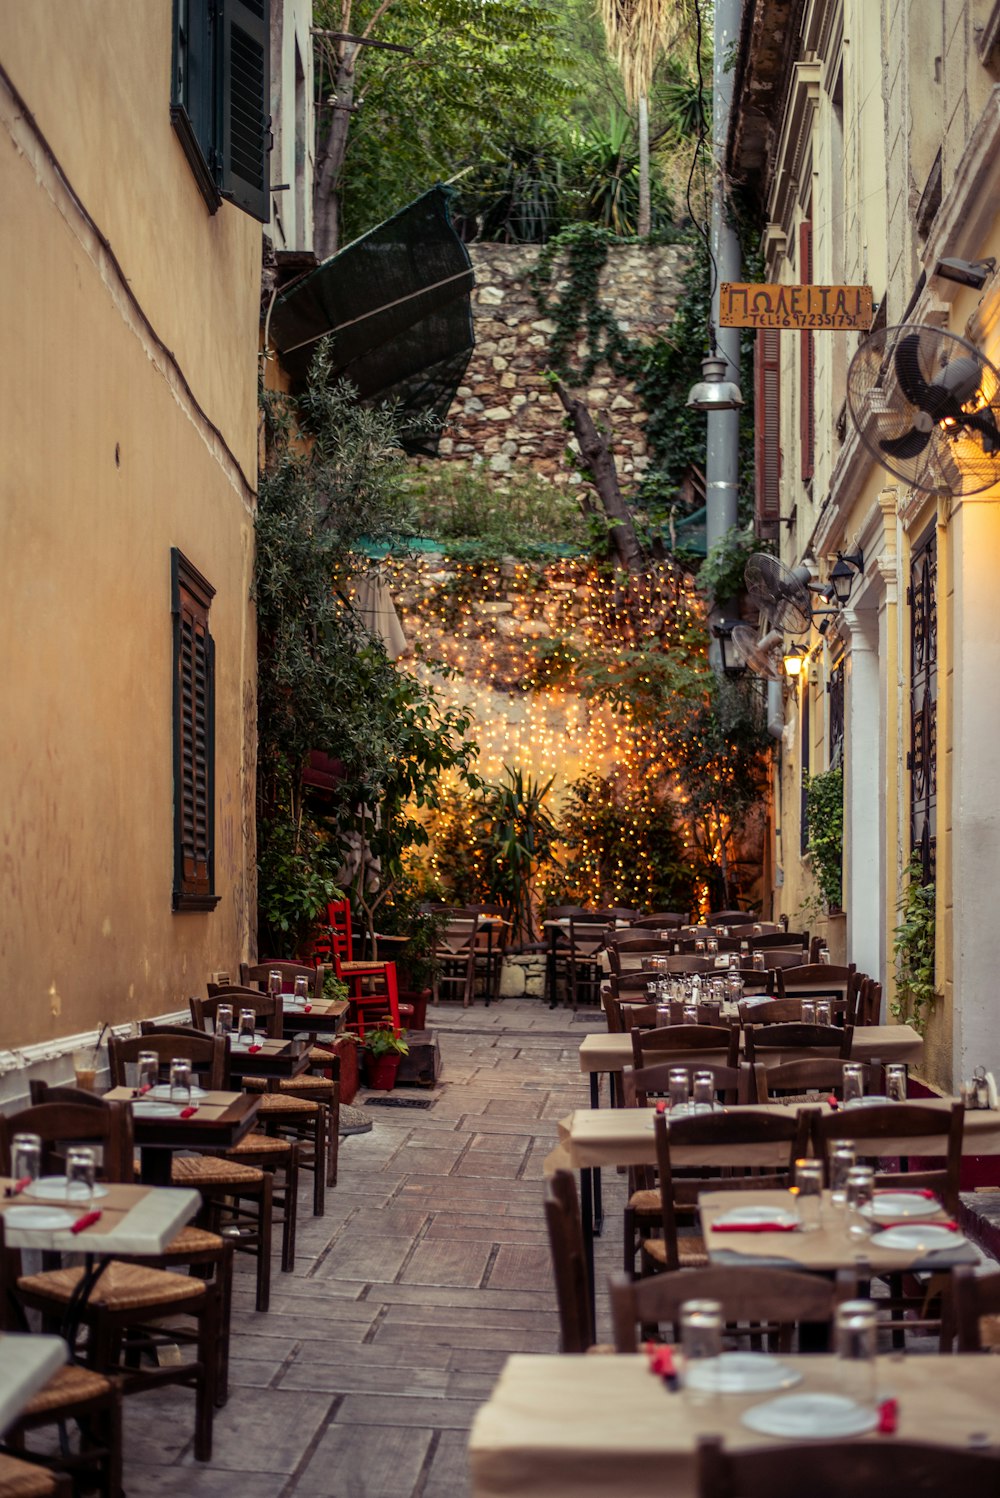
{"points": [[25, 1157], [824, 1012], [148, 1072], [854, 1081], [302, 988], [842, 1160], [809, 1193], [699, 945], [677, 1087], [712, 946], [860, 1194], [759, 962], [701, 1339], [224, 1019], [808, 1011], [703, 1091], [690, 1014], [180, 1081], [856, 1334], [274, 981], [80, 1167], [248, 1024], [895, 1082]]}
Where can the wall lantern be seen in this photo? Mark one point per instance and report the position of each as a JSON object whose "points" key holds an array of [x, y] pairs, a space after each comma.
{"points": [[842, 575], [732, 666], [794, 660], [714, 392]]}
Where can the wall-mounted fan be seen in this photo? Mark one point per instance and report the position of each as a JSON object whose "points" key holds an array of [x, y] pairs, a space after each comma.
{"points": [[781, 593], [764, 655], [925, 403]]}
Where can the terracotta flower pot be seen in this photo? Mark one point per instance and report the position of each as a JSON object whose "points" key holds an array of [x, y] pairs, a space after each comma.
{"points": [[382, 1071]]}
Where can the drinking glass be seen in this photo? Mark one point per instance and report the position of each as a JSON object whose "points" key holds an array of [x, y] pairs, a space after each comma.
{"points": [[180, 1081], [808, 1011], [80, 1166], [895, 1082], [690, 1014], [85, 1068], [248, 1023], [824, 1012], [860, 1193], [824, 956], [662, 1015], [744, 947], [224, 1019], [712, 946], [842, 1160], [652, 991], [25, 1156], [809, 1193], [149, 1070], [302, 988], [759, 962], [701, 1336], [703, 1091], [856, 1332], [734, 962], [677, 1087], [854, 1080], [274, 981], [699, 945]]}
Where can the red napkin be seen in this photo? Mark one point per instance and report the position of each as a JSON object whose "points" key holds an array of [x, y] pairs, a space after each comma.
{"points": [[661, 1106], [661, 1362], [888, 1417], [18, 1186], [834, 1103], [188, 1112], [755, 1227], [306, 1008], [86, 1221], [253, 1049], [139, 1091]]}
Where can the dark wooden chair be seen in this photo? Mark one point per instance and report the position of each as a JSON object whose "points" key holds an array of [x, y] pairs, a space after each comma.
{"points": [[755, 1302], [729, 917], [780, 957], [583, 968], [679, 1192], [811, 1079], [775, 1012], [20, 1479], [976, 1309], [733, 1084], [780, 939], [256, 975], [663, 920], [726, 943], [897, 1469], [132, 1308], [569, 1262], [836, 1042], [649, 1046], [868, 1009]]}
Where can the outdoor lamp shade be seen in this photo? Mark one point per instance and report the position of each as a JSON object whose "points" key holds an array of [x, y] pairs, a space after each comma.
{"points": [[794, 661], [841, 579], [714, 392], [732, 665]]}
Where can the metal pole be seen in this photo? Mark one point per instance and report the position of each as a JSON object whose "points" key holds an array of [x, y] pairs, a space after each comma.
{"points": [[723, 439]]}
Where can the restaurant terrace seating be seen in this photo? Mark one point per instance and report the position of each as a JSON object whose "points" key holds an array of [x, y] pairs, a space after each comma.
{"points": [[797, 1037]]}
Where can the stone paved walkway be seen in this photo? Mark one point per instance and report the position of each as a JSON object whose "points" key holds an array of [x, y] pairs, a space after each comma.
{"points": [[429, 1267]]}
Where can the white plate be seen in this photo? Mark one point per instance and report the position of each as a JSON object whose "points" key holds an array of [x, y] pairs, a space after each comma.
{"points": [[890, 1206], [55, 1189], [162, 1091], [741, 1373], [919, 1236], [39, 1217], [810, 1417], [751, 1216], [142, 1108], [874, 1099]]}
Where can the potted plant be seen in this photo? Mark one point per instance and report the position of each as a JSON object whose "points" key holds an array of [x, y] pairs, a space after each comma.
{"points": [[383, 1051]]}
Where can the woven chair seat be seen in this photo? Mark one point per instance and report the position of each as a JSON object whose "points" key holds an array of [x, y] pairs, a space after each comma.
{"points": [[122, 1287], [361, 966], [284, 1105], [259, 1144], [192, 1241], [319, 1057], [691, 1251], [24, 1480], [211, 1170], [646, 1202], [71, 1385], [290, 1085]]}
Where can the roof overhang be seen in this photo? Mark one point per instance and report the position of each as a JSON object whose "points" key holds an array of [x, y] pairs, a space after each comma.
{"points": [[769, 39]]}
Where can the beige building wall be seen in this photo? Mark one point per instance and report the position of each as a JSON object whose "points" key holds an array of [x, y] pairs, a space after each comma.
{"points": [[129, 400]]}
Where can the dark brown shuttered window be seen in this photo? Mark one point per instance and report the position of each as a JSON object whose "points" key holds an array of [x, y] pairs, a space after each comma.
{"points": [[194, 738], [767, 430]]}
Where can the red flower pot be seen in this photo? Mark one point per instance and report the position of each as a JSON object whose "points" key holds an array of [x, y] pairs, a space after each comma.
{"points": [[382, 1071]]}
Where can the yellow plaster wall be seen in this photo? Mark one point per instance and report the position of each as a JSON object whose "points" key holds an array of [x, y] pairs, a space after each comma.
{"points": [[86, 795], [96, 76]]}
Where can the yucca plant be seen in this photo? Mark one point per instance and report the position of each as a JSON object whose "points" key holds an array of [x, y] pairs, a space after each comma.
{"points": [[517, 834]]}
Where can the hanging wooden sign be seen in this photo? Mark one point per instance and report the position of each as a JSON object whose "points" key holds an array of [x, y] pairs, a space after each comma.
{"points": [[837, 309]]}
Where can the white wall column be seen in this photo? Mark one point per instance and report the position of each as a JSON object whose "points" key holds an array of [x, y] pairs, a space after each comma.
{"points": [[864, 782]]}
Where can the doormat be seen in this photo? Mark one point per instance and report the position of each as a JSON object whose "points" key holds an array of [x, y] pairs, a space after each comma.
{"points": [[587, 1016], [399, 1102]]}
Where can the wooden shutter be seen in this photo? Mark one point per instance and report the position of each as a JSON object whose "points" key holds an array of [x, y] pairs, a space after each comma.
{"points": [[807, 361], [245, 106], [194, 739], [767, 429]]}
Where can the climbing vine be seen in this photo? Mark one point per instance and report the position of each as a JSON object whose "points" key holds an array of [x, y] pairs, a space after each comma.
{"points": [[914, 949], [825, 811], [578, 312]]}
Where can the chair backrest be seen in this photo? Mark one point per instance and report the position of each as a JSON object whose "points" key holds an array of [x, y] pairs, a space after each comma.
{"points": [[206, 1053], [973, 1297], [46, 1092], [733, 1084], [897, 1469], [756, 1298], [728, 917], [773, 1012], [901, 1121], [268, 1008], [569, 1262], [868, 1006], [257, 975], [781, 957], [650, 1046], [726, 943], [458, 937], [587, 937], [791, 939], [808, 1074], [835, 1039], [664, 920], [338, 915], [758, 928], [60, 1125]]}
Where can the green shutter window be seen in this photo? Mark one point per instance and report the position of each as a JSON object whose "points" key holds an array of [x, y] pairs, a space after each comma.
{"points": [[245, 115], [194, 738]]}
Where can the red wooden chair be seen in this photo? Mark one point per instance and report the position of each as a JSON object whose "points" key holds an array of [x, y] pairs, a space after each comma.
{"points": [[366, 1002]]}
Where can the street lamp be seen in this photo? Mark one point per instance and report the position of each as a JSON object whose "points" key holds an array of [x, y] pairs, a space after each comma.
{"points": [[732, 666], [714, 392], [842, 575], [794, 660]]}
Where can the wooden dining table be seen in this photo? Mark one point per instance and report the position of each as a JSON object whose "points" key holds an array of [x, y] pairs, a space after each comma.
{"points": [[269, 1057], [598, 1427], [319, 1016], [220, 1121], [26, 1365], [138, 1220]]}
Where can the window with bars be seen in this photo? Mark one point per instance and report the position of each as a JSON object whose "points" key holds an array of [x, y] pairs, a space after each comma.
{"points": [[194, 738], [220, 99]]}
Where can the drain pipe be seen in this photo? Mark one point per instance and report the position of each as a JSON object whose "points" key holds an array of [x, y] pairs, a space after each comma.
{"points": [[775, 709]]}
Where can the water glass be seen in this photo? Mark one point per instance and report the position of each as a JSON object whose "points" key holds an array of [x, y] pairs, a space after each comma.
{"points": [[701, 1334], [842, 1160], [860, 1194], [302, 988], [677, 1087], [25, 1156], [180, 1081], [80, 1167], [248, 1027], [652, 991], [808, 1011], [703, 1091], [744, 947], [734, 988], [824, 1012], [824, 956], [809, 1193], [224, 1020], [759, 962], [699, 945], [274, 981], [895, 1082], [690, 1014], [856, 1336], [854, 1080], [662, 1015], [148, 1070], [712, 946]]}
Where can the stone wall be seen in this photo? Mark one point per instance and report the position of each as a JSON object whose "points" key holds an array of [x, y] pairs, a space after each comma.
{"points": [[505, 414]]}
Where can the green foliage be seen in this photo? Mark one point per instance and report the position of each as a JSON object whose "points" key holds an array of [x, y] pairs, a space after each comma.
{"points": [[575, 259], [382, 1040], [720, 575], [478, 519], [517, 833], [294, 885], [914, 949], [825, 813], [335, 990]]}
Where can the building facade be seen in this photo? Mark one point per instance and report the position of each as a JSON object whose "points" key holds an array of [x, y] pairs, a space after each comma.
{"points": [[868, 133], [135, 179]]}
